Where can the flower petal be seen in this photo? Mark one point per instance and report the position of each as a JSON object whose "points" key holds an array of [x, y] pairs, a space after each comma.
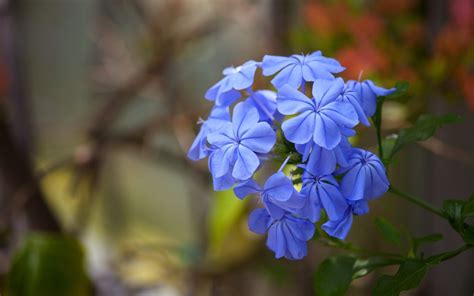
{"points": [[259, 138], [279, 187], [272, 64], [246, 163], [326, 133], [291, 101], [247, 188], [244, 118], [259, 221], [299, 129]]}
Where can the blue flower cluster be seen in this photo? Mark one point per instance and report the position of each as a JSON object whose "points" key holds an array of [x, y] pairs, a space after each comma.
{"points": [[334, 176]]}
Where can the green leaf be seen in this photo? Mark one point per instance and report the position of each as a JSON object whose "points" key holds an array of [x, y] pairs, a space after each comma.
{"points": [[389, 232], [454, 209], [362, 267], [424, 128], [225, 214], [419, 241], [334, 276], [48, 264], [468, 208], [408, 276]]}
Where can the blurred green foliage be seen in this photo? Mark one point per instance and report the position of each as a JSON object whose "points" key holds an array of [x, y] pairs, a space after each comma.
{"points": [[47, 265]]}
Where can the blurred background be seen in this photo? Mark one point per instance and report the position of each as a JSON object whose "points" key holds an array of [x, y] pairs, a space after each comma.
{"points": [[99, 101]]}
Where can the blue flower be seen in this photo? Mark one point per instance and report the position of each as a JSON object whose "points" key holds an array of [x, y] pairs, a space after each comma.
{"points": [[296, 68], [225, 92], [368, 93], [352, 97], [364, 177], [322, 161], [321, 191], [236, 144], [278, 194], [339, 228], [324, 119], [287, 236], [218, 117], [266, 104]]}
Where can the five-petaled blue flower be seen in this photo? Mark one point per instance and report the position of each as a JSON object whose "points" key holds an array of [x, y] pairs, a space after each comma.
{"points": [[236, 144], [364, 177], [278, 194], [287, 236], [321, 191], [324, 119], [368, 93], [296, 69], [226, 91]]}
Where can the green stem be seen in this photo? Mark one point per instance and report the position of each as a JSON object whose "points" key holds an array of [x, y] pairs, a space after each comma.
{"points": [[418, 202], [349, 247], [456, 252], [379, 142]]}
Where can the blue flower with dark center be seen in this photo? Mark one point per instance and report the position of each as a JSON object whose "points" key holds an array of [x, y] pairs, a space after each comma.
{"points": [[277, 195], [321, 191], [218, 117], [368, 93], [298, 68], [287, 236], [226, 91], [324, 119], [364, 177], [236, 144]]}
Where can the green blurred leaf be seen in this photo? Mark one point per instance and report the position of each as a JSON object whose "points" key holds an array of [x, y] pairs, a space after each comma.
{"points": [[453, 209], [362, 267], [457, 211], [424, 128], [468, 208], [408, 276], [334, 276], [225, 213], [419, 241], [48, 264], [389, 232]]}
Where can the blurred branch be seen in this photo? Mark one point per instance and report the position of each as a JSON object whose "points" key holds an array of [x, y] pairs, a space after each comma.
{"points": [[16, 169]]}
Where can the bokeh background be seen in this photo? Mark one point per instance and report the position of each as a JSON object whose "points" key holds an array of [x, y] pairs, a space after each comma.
{"points": [[99, 101]]}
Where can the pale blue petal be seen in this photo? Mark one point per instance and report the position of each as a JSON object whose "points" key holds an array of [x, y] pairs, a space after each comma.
{"points": [[299, 129], [339, 228], [332, 201], [259, 138], [279, 187], [291, 101], [259, 221], [327, 91], [221, 160], [227, 98], [321, 161], [342, 113], [245, 117], [291, 75], [272, 64], [246, 163], [247, 188], [326, 132], [353, 183]]}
